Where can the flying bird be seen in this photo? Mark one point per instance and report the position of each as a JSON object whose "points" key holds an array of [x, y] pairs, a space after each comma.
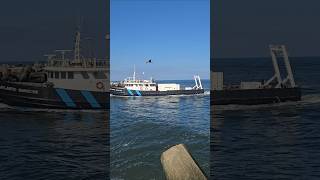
{"points": [[149, 61]]}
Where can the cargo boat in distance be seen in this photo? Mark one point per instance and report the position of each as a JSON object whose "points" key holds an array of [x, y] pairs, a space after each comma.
{"points": [[276, 89], [77, 82], [132, 86]]}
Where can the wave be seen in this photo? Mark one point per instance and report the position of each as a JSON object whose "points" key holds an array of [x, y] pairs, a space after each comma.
{"points": [[207, 92], [4, 107], [306, 100], [310, 99]]}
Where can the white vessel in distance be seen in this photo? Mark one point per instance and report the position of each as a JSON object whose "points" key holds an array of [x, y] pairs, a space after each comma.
{"points": [[132, 86]]}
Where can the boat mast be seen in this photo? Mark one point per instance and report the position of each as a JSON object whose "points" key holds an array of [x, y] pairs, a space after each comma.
{"points": [[77, 47], [134, 72], [63, 52]]}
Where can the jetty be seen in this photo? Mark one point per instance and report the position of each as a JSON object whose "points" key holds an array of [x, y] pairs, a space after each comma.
{"points": [[178, 164]]}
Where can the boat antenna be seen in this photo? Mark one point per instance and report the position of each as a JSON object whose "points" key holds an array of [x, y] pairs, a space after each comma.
{"points": [[77, 42], [134, 72], [77, 47], [63, 52], [49, 56]]}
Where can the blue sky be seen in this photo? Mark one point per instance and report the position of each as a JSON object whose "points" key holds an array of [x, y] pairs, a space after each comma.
{"points": [[30, 29], [246, 28], [174, 34]]}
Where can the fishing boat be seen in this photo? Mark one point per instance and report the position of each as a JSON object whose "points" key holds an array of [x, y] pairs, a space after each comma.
{"points": [[132, 86], [277, 89], [61, 83]]}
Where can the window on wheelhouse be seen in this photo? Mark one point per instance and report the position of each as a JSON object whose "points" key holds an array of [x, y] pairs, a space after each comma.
{"points": [[56, 75], [99, 75], [85, 75], [63, 75], [70, 75]]}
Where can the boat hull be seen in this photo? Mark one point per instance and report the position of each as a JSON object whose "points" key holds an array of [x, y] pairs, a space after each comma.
{"points": [[127, 92], [51, 98], [254, 96]]}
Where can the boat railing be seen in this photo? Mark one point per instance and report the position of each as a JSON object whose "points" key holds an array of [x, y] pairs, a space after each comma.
{"points": [[138, 81], [83, 63], [134, 80]]}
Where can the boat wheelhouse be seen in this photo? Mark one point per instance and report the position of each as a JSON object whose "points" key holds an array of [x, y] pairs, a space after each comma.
{"points": [[142, 85]]}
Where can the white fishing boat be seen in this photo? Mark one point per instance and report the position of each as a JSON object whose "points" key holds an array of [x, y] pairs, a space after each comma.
{"points": [[132, 86], [64, 83]]}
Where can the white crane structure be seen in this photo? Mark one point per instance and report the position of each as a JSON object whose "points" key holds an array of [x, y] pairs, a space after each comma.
{"points": [[276, 81]]}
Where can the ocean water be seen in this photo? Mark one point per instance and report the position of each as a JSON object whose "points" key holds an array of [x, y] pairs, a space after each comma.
{"points": [[53, 144], [144, 127], [278, 141]]}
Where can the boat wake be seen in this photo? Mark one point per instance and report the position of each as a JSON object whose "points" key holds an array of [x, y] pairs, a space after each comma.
{"points": [[306, 100], [206, 93], [4, 107], [310, 99]]}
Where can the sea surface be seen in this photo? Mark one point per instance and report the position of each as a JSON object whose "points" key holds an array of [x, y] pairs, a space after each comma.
{"points": [[279, 141], [53, 144], [144, 127]]}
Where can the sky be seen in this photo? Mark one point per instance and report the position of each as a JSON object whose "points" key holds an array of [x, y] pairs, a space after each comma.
{"points": [[30, 29], [245, 28], [174, 34]]}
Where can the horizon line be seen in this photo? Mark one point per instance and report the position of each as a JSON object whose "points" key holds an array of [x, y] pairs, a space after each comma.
{"points": [[262, 57], [171, 79]]}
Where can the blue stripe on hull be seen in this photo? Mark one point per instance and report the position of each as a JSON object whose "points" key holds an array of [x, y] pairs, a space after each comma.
{"points": [[138, 92], [91, 99], [130, 92], [65, 97]]}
